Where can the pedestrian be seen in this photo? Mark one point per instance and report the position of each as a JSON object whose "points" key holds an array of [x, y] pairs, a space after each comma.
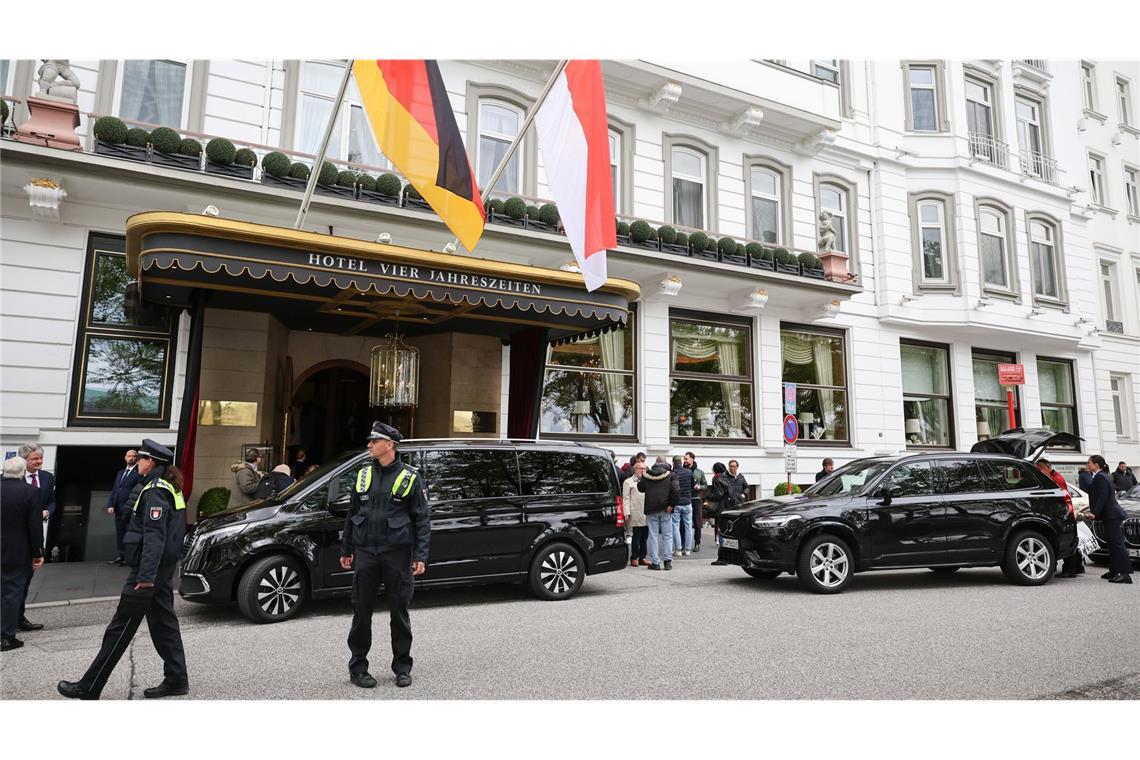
{"points": [[633, 501], [660, 489], [717, 499], [737, 485], [273, 483], [626, 470], [119, 504], [300, 463], [247, 476], [683, 510], [387, 533], [33, 456], [699, 487], [828, 466], [1106, 510], [1084, 479], [1122, 478], [153, 548], [1074, 564], [21, 546]]}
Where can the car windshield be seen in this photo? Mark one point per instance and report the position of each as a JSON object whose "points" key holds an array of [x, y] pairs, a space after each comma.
{"points": [[315, 475], [850, 479]]}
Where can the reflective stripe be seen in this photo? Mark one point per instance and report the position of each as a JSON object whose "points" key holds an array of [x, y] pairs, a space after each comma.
{"points": [[364, 481], [179, 502]]}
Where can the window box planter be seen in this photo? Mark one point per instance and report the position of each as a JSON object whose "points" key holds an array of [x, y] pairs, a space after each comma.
{"points": [[712, 255], [336, 191], [290, 183], [496, 218], [535, 224], [177, 160], [651, 245], [815, 274], [229, 170], [674, 248], [788, 268], [765, 264], [740, 259], [624, 240], [374, 197], [416, 203], [131, 152]]}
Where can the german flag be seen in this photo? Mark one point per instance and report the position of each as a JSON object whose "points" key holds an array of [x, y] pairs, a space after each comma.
{"points": [[410, 115]]}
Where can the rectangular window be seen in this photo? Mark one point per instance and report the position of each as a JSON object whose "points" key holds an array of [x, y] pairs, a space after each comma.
{"points": [[815, 361], [923, 98], [1058, 401], [125, 347], [589, 385], [499, 123], [615, 167], [1098, 191], [932, 240], [1108, 287], [1122, 406], [688, 188], [711, 378], [1043, 252], [549, 473], [767, 193], [462, 474], [1131, 193], [153, 92], [991, 409], [352, 138], [1088, 85], [826, 69], [927, 402], [993, 234], [1031, 138], [1124, 100], [833, 199]]}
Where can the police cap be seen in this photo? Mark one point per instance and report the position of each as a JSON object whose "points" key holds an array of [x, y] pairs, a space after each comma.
{"points": [[382, 432], [156, 451]]}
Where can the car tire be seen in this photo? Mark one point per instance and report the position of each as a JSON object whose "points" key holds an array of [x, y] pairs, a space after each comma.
{"points": [[272, 589], [825, 564], [1029, 559], [761, 574], [557, 572], [945, 570]]}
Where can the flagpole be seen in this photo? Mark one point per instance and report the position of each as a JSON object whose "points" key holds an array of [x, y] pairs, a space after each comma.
{"points": [[324, 146]]}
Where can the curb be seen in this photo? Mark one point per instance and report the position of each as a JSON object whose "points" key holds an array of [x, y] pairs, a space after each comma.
{"points": [[69, 602]]}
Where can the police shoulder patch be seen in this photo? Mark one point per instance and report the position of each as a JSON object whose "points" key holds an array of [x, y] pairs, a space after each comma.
{"points": [[156, 513]]}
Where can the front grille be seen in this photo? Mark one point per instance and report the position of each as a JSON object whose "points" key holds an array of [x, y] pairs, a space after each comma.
{"points": [[1132, 531], [730, 525], [731, 556]]}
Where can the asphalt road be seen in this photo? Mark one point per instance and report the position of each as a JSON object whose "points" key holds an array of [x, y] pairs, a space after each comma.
{"points": [[698, 632]]}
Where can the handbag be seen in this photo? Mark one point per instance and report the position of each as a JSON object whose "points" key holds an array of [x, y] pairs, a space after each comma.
{"points": [[1086, 541]]}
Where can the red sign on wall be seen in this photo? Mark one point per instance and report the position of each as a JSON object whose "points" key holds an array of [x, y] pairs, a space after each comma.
{"points": [[1011, 374]]}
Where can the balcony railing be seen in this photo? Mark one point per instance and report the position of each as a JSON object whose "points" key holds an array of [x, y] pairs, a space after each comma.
{"points": [[1039, 165], [992, 151], [1037, 63]]}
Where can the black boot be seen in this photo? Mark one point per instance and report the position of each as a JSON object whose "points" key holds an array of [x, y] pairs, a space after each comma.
{"points": [[28, 625], [74, 691], [165, 689]]}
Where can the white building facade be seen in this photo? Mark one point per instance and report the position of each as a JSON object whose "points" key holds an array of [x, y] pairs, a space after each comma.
{"points": [[961, 193]]}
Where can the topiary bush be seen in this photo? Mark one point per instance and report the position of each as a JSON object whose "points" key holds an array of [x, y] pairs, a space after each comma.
{"points": [[642, 231], [682, 238], [109, 129], [667, 234], [213, 501], [166, 141], [755, 250], [623, 229], [367, 182], [515, 208], [389, 185], [726, 246], [328, 175], [532, 212], [347, 179], [495, 205], [698, 241], [245, 157], [548, 214], [711, 245], [767, 254], [3, 111], [138, 137], [276, 164], [220, 151], [784, 256], [190, 147], [299, 171], [411, 192], [782, 488], [810, 261]]}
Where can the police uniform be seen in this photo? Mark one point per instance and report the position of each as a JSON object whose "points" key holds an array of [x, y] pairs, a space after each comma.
{"points": [[153, 547], [386, 530]]}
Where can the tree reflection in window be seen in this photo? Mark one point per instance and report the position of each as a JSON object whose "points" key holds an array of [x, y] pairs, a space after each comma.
{"points": [[124, 376]]}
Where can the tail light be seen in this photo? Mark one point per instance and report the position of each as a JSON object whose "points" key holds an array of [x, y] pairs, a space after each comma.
{"points": [[620, 512], [1069, 502]]}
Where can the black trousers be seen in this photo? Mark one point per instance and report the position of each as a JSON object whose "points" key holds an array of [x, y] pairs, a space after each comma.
{"points": [[696, 522], [639, 547], [121, 525], [1074, 563], [1118, 559], [13, 590], [394, 570], [156, 605]]}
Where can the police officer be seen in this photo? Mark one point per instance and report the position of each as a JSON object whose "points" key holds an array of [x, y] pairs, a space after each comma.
{"points": [[386, 536], [153, 547]]}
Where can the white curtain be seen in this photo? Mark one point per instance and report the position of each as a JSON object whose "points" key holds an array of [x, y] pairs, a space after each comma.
{"points": [[816, 351], [315, 114], [612, 344], [729, 358], [152, 92]]}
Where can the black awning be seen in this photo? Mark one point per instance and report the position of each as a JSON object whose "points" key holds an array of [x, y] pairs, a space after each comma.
{"points": [[354, 286]]}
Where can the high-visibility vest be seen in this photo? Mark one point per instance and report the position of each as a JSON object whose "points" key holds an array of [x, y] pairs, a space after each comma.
{"points": [[179, 502], [401, 487]]}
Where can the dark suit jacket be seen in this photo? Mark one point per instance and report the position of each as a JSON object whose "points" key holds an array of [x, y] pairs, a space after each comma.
{"points": [[1102, 499], [21, 523], [47, 492], [119, 497]]}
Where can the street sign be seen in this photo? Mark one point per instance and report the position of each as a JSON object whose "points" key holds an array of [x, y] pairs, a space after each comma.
{"points": [[789, 398], [1011, 374], [789, 459], [791, 430]]}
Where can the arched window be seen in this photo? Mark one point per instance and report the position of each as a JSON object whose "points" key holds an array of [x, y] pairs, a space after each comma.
{"points": [[499, 123], [688, 178], [1044, 258], [993, 232], [767, 205], [932, 237], [834, 199]]}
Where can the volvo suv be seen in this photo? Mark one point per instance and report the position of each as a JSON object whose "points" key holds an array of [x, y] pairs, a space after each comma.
{"points": [[943, 511], [546, 514]]}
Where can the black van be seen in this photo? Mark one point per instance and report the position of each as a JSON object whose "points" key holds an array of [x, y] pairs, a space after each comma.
{"points": [[545, 513]]}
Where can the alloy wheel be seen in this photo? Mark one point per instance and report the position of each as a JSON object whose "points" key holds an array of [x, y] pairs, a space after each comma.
{"points": [[1033, 557], [279, 590], [829, 565], [559, 572]]}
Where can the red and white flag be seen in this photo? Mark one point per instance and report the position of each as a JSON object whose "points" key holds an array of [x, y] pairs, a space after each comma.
{"points": [[574, 134]]}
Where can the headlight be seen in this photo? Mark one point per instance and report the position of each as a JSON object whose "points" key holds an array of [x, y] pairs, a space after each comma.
{"points": [[778, 521]]}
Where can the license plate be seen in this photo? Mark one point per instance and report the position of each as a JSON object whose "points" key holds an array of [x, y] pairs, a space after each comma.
{"points": [[730, 543], [1134, 553]]}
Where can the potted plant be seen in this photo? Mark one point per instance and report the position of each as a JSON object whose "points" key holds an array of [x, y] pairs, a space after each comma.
{"points": [[622, 233], [220, 159], [276, 171], [642, 234], [166, 150], [702, 246], [681, 244], [111, 139], [668, 237], [759, 257], [4, 117], [413, 199], [494, 209], [514, 212], [731, 252], [383, 189], [811, 265], [332, 181], [213, 501], [245, 157], [545, 218], [786, 261]]}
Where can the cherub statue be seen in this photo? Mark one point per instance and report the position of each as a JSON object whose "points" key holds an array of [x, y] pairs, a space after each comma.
{"points": [[57, 81], [826, 232]]}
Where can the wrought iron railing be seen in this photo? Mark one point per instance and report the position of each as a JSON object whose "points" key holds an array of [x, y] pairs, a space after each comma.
{"points": [[1037, 63], [989, 149], [1039, 165]]}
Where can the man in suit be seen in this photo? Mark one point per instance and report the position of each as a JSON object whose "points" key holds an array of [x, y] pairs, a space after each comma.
{"points": [[118, 502], [21, 546], [33, 456], [1106, 510]]}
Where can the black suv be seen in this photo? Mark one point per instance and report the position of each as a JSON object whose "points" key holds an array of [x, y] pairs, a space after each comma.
{"points": [[943, 511], [544, 513], [1130, 502]]}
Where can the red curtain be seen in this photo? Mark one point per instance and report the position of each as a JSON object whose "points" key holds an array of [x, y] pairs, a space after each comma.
{"points": [[528, 357]]}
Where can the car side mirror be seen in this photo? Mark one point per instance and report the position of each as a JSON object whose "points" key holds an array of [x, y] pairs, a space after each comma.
{"points": [[887, 495], [337, 501]]}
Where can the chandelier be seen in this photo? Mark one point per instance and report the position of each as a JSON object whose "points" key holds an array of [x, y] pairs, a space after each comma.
{"points": [[395, 374]]}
